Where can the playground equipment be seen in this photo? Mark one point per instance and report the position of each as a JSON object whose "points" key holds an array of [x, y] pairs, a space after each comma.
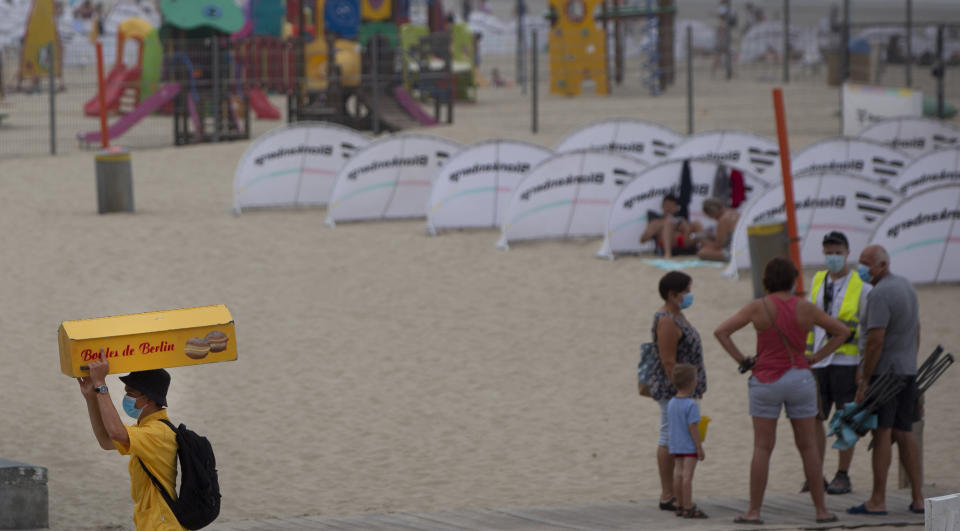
{"points": [[578, 48], [355, 83], [125, 86], [202, 85], [35, 56], [214, 107]]}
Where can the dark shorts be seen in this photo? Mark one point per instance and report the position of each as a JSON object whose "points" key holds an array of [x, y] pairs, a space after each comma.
{"points": [[900, 412], [837, 385]]}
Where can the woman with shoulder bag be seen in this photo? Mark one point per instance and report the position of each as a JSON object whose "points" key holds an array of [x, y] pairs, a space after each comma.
{"points": [[782, 378], [675, 341]]}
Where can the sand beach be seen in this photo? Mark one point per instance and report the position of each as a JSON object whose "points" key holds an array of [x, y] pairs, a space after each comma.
{"points": [[381, 369]]}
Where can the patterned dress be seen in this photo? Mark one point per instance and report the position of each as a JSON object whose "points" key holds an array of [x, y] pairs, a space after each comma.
{"points": [[689, 350]]}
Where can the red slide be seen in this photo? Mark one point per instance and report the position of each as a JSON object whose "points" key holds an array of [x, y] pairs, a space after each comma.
{"points": [[118, 78], [262, 106]]}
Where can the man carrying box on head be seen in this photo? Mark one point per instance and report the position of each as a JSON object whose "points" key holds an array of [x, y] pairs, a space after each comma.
{"points": [[150, 443], [841, 294]]}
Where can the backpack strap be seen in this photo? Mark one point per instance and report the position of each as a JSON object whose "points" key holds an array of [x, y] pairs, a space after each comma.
{"points": [[163, 492]]}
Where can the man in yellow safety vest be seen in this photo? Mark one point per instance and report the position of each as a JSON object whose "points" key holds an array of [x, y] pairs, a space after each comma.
{"points": [[841, 294]]}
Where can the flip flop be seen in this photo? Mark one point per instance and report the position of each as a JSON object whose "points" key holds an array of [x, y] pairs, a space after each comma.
{"points": [[827, 520], [915, 511], [668, 505], [862, 509], [742, 520]]}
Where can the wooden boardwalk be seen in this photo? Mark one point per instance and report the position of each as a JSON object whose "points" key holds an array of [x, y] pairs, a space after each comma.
{"points": [[780, 511]]}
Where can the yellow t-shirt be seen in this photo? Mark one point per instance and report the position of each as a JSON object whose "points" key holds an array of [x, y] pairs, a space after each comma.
{"points": [[156, 445]]}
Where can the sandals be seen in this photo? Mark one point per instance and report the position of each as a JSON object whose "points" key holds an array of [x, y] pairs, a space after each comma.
{"points": [[669, 505], [751, 521], [694, 512]]}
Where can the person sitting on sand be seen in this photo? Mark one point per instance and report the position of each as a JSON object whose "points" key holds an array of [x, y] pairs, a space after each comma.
{"points": [[683, 417], [671, 232], [715, 245], [151, 444]]}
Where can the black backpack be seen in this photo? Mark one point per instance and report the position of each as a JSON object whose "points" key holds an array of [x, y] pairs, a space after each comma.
{"points": [[199, 501]]}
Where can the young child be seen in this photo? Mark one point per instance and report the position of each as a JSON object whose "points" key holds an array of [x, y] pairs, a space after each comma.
{"points": [[683, 415]]}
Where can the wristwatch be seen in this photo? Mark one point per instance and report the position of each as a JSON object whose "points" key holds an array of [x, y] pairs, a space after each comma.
{"points": [[101, 389]]}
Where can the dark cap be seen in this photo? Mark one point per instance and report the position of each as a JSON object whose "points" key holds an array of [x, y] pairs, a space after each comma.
{"points": [[153, 384], [836, 237]]}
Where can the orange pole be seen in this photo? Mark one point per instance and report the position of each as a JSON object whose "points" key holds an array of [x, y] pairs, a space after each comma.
{"points": [[788, 202], [104, 133]]}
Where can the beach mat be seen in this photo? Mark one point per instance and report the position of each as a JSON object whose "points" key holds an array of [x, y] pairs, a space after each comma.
{"points": [[673, 265]]}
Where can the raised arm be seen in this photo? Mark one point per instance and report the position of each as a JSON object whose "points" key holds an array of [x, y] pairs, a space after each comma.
{"points": [[93, 411], [730, 326], [108, 412]]}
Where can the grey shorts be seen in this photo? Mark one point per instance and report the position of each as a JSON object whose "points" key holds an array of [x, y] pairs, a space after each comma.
{"points": [[796, 390]]}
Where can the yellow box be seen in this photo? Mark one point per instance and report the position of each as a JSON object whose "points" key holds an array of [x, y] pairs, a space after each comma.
{"points": [[151, 340]]}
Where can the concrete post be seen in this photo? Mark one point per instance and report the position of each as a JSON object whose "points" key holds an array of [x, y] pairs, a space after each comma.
{"points": [[23, 496], [114, 181]]}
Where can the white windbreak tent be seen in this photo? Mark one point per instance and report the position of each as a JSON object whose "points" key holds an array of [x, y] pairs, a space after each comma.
{"points": [[704, 37], [390, 178], [567, 195], [647, 141], [914, 135], [294, 165], [766, 38], [627, 218], [933, 169], [824, 202], [746, 152], [854, 156], [922, 236], [475, 186]]}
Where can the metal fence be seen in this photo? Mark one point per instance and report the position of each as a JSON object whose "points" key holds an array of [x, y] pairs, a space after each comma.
{"points": [[257, 76]]}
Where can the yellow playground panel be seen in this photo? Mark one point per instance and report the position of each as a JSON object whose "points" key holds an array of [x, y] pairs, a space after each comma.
{"points": [[41, 31], [577, 48], [346, 55], [376, 10]]}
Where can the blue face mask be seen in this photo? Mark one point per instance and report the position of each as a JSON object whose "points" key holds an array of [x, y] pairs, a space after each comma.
{"points": [[130, 406], [686, 301], [864, 273], [835, 262]]}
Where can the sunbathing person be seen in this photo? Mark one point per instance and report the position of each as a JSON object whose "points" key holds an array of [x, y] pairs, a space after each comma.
{"points": [[715, 244], [671, 233]]}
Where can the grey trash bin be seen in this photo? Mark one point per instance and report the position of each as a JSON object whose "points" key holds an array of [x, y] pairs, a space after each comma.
{"points": [[114, 180], [766, 241], [23, 496]]}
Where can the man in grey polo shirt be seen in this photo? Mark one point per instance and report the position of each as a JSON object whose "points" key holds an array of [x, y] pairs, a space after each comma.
{"points": [[891, 332]]}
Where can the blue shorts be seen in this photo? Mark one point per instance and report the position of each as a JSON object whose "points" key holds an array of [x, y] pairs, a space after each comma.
{"points": [[796, 390]]}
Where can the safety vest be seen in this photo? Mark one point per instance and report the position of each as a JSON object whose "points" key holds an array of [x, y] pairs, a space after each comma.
{"points": [[849, 309]]}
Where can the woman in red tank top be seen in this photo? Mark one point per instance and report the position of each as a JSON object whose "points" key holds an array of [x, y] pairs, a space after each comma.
{"points": [[782, 378]]}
